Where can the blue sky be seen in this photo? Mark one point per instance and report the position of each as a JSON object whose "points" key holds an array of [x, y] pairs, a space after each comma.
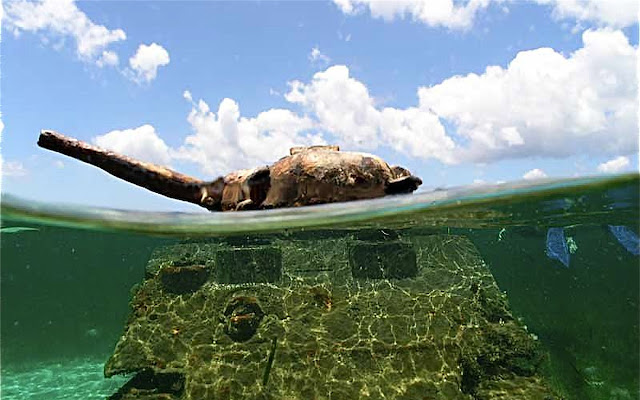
{"points": [[480, 91]]}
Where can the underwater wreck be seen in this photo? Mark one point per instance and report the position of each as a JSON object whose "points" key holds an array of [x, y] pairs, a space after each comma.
{"points": [[362, 314]]}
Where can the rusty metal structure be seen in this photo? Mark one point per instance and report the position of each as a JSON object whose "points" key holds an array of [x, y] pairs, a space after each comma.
{"points": [[309, 175]]}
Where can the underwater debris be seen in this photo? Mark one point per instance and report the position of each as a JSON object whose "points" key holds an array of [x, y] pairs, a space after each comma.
{"points": [[148, 384], [267, 369], [92, 332], [572, 245], [322, 297], [436, 324], [243, 315], [557, 247], [627, 238]]}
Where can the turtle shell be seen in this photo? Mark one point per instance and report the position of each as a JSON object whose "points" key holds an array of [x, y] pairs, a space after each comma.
{"points": [[315, 175]]}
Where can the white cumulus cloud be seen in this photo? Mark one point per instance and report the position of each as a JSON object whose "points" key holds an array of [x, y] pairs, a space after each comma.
{"points": [[343, 107], [57, 20], [341, 104], [142, 143], [544, 103], [316, 56], [13, 169], [435, 13], [452, 14], [147, 60], [60, 19], [618, 13], [223, 141], [108, 58], [534, 174], [615, 165]]}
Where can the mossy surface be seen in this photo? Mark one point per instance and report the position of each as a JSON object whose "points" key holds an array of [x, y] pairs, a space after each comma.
{"points": [[420, 318]]}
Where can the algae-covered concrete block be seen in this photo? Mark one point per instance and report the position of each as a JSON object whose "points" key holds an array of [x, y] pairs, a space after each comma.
{"points": [[391, 260], [185, 279], [405, 318], [248, 265]]}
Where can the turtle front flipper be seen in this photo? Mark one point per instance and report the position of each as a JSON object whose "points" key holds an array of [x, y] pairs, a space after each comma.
{"points": [[153, 177]]}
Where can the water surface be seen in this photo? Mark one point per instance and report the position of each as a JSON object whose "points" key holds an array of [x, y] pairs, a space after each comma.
{"points": [[563, 251]]}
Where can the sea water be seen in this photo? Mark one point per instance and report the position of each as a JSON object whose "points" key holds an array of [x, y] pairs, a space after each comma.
{"points": [[565, 253]]}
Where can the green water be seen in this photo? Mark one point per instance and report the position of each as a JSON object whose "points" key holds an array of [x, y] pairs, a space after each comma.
{"points": [[66, 282]]}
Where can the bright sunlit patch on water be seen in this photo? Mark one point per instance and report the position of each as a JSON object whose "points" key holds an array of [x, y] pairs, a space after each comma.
{"points": [[72, 379]]}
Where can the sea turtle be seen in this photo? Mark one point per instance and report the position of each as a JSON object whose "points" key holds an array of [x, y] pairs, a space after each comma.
{"points": [[309, 175]]}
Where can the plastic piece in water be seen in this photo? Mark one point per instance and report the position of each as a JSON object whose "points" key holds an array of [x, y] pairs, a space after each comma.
{"points": [[627, 238], [557, 248], [573, 247]]}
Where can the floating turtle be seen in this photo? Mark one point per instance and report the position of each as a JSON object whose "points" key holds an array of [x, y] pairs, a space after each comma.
{"points": [[309, 175]]}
